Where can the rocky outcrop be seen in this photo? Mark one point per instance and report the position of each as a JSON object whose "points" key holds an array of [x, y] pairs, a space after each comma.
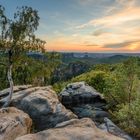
{"points": [[58, 123], [80, 93], [13, 123], [75, 129], [5, 92], [43, 106], [84, 101]]}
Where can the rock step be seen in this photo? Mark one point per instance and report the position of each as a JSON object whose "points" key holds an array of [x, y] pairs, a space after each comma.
{"points": [[13, 123], [83, 129], [80, 93]]}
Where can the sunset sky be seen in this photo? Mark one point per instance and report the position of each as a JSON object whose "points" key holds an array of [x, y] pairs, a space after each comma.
{"points": [[86, 25]]}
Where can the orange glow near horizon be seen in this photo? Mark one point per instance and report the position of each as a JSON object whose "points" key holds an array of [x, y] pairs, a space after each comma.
{"points": [[69, 47], [64, 45]]}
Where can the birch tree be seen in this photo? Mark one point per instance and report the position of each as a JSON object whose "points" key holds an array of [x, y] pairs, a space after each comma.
{"points": [[17, 37]]}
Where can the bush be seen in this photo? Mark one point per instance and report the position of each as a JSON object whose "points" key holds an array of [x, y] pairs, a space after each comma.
{"points": [[96, 79], [59, 86], [129, 117]]}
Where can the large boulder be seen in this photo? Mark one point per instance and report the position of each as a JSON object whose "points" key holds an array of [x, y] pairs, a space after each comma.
{"points": [[4, 93], [80, 93], [13, 123], [75, 129], [43, 106], [84, 101]]}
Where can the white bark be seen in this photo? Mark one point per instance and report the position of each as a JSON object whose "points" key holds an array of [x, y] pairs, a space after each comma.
{"points": [[9, 97]]}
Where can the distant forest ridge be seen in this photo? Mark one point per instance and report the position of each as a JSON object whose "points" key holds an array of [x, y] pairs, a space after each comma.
{"points": [[98, 55], [92, 55]]}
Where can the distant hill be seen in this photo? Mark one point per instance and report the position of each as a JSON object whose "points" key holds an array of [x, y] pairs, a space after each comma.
{"points": [[114, 59], [88, 58], [94, 58], [104, 55]]}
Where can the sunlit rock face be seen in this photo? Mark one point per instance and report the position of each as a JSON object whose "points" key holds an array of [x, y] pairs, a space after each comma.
{"points": [[83, 129], [13, 123], [43, 106]]}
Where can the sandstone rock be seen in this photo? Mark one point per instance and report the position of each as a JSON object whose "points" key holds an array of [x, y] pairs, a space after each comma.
{"points": [[16, 88], [43, 106], [84, 101], [4, 93], [13, 123], [110, 127], [75, 129], [80, 93], [96, 114]]}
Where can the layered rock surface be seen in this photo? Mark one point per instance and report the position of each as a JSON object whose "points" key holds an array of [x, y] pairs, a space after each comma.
{"points": [[43, 106], [80, 93], [74, 129], [13, 123], [85, 101], [58, 123]]}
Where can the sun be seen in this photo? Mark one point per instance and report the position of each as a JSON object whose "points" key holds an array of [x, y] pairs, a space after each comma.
{"points": [[134, 46]]}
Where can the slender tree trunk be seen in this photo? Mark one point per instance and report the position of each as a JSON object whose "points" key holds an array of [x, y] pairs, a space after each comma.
{"points": [[131, 79], [11, 83]]}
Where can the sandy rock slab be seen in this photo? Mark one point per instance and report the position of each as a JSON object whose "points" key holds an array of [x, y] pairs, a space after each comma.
{"points": [[75, 129], [13, 123], [43, 106]]}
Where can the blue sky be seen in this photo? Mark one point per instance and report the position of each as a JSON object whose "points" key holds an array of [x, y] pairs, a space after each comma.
{"points": [[85, 25]]}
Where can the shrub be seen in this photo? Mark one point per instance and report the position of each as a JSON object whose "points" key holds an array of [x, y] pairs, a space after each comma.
{"points": [[128, 117]]}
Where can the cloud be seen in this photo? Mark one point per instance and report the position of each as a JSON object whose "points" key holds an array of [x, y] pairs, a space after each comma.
{"points": [[126, 2], [99, 32], [117, 45], [121, 45], [122, 12], [114, 27], [118, 29], [121, 18], [133, 46], [85, 2], [69, 44], [117, 19]]}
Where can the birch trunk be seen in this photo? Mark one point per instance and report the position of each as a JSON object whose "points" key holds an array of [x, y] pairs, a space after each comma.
{"points": [[9, 76], [10, 79]]}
